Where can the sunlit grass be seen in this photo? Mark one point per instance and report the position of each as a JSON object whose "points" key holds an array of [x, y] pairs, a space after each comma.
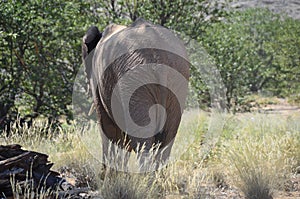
{"points": [[256, 153], [260, 153]]}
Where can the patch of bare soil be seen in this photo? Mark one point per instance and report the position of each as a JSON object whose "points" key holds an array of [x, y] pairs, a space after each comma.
{"points": [[292, 189], [282, 108], [289, 7]]}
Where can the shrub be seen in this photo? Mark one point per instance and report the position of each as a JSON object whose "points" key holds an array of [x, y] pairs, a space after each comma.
{"points": [[256, 50]]}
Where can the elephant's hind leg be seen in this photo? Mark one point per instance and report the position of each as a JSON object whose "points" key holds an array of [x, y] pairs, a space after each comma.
{"points": [[114, 141]]}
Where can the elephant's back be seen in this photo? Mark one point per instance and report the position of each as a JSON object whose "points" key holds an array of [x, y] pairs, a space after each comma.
{"points": [[118, 41]]}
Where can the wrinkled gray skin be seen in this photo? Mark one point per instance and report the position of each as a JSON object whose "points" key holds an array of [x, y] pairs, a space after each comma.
{"points": [[102, 80]]}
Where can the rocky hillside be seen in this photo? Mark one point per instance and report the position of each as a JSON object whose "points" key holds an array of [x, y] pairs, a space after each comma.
{"points": [[290, 7]]}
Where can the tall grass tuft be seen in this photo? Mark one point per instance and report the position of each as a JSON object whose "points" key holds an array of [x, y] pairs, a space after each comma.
{"points": [[260, 155], [129, 186]]}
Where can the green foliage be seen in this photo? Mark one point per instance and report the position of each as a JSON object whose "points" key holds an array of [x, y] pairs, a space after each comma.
{"points": [[294, 99], [255, 50], [41, 53], [254, 102], [39, 57]]}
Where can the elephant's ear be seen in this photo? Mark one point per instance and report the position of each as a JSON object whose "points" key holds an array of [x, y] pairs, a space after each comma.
{"points": [[89, 43], [90, 40]]}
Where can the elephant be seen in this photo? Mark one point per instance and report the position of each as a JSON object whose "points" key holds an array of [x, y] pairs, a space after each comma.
{"points": [[138, 78]]}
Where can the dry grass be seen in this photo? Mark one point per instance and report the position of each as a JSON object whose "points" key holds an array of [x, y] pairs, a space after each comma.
{"points": [[256, 153], [261, 153], [28, 193]]}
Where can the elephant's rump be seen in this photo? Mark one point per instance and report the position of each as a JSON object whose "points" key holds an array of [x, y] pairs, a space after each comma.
{"points": [[136, 81]]}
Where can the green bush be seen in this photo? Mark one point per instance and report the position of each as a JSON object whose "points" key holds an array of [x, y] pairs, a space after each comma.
{"points": [[294, 99], [256, 51]]}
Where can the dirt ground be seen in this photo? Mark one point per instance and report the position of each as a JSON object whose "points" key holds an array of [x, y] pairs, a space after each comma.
{"points": [[282, 108], [289, 7]]}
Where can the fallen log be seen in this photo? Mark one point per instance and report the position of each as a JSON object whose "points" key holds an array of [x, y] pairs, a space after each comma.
{"points": [[22, 166]]}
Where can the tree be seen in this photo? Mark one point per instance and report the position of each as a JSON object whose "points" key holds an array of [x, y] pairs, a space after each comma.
{"points": [[40, 56], [255, 50], [41, 46]]}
